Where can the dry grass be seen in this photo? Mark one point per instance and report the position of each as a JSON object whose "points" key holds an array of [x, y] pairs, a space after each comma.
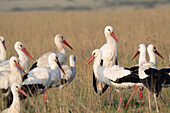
{"points": [[84, 32]]}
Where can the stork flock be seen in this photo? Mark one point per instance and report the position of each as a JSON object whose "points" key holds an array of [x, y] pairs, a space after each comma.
{"points": [[50, 70], [18, 82]]}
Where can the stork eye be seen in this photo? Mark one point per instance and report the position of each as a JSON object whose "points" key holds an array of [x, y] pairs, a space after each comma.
{"points": [[154, 48], [15, 61], [16, 86], [93, 54], [108, 29], [20, 45]]}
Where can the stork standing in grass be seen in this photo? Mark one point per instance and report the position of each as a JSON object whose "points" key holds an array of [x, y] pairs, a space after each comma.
{"points": [[39, 79], [115, 76], [61, 54], [109, 57], [149, 75]]}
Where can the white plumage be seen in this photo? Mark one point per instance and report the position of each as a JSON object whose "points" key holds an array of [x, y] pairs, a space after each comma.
{"points": [[115, 75], [61, 54], [43, 76], [23, 60], [70, 72], [149, 74], [8, 77], [3, 54], [164, 72], [109, 56], [15, 107]]}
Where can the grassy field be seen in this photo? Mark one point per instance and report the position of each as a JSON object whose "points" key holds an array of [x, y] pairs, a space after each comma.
{"points": [[84, 32]]}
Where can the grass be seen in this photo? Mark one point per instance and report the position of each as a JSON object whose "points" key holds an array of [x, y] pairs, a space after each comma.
{"points": [[84, 32]]}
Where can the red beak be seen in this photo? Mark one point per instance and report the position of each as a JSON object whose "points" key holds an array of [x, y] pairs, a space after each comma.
{"points": [[3, 42], [90, 60], [26, 52], [113, 35], [19, 66], [67, 44], [21, 91], [158, 54], [136, 54]]}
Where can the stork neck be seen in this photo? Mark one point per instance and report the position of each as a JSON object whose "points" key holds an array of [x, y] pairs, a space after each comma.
{"points": [[3, 53], [110, 39], [16, 102], [142, 57], [72, 63], [152, 57], [60, 47]]}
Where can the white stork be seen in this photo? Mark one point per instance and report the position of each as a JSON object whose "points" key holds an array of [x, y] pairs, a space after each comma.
{"points": [[149, 76], [8, 77], [164, 72], [15, 107], [115, 75], [109, 57], [39, 79], [70, 72], [3, 54], [23, 60], [61, 54]]}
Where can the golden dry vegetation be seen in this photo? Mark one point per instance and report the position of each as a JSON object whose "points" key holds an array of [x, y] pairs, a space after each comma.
{"points": [[83, 30]]}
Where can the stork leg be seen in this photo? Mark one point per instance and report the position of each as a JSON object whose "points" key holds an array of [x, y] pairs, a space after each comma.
{"points": [[110, 93], [156, 103], [101, 92], [45, 97], [120, 100], [149, 100], [141, 96], [136, 87]]}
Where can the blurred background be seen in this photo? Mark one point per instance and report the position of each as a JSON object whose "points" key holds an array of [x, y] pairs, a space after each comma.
{"points": [[65, 5]]}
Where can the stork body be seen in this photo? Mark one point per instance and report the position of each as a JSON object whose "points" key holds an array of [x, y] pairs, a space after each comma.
{"points": [[61, 54], [149, 73], [164, 72], [38, 80], [115, 76], [109, 57]]}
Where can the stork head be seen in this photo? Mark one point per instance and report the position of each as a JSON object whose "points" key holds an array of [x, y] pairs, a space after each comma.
{"points": [[152, 48], [20, 46], [14, 61], [95, 53], [141, 47], [60, 38], [17, 87], [109, 31], [2, 40]]}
